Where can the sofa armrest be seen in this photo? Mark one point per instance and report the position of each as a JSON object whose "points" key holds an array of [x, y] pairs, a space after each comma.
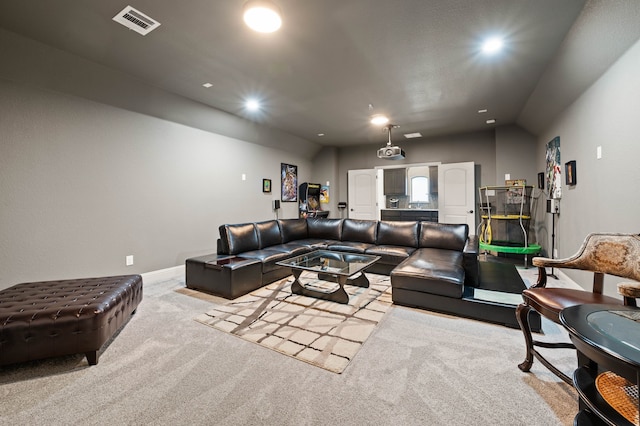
{"points": [[472, 247], [470, 260], [220, 247]]}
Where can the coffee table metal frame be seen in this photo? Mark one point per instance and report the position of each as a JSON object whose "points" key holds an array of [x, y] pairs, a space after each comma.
{"points": [[340, 267]]}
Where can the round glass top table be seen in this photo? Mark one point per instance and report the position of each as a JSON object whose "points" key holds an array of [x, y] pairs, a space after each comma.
{"points": [[607, 338]]}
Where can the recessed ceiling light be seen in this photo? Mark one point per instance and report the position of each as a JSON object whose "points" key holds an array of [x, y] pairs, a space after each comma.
{"points": [[262, 16], [413, 135], [207, 85], [492, 45], [482, 111], [491, 121], [379, 119], [321, 134], [253, 105]]}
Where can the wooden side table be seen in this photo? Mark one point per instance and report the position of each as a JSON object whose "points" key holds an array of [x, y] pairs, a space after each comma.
{"points": [[607, 338]]}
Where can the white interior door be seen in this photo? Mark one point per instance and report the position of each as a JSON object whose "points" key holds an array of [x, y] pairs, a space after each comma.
{"points": [[362, 187], [457, 194]]}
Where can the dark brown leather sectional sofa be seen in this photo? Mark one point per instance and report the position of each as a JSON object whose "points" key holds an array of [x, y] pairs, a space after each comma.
{"points": [[432, 266], [428, 262]]}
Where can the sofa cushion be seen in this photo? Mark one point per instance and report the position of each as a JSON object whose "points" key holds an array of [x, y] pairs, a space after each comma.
{"points": [[362, 231], [350, 246], [314, 243], [325, 229], [268, 258], [443, 235], [434, 271], [239, 238], [293, 229], [292, 248], [392, 255], [268, 233], [398, 233]]}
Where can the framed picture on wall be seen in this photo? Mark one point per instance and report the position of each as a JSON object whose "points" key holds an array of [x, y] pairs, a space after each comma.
{"points": [[289, 183], [541, 180], [554, 169], [266, 185], [570, 172]]}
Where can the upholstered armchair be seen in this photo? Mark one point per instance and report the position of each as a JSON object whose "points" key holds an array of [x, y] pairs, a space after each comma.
{"points": [[610, 254]]}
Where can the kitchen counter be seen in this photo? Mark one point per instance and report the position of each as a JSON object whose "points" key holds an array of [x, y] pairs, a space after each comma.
{"points": [[426, 215], [410, 210]]}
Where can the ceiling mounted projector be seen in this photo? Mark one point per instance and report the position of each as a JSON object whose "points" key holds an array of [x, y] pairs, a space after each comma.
{"points": [[391, 152]]}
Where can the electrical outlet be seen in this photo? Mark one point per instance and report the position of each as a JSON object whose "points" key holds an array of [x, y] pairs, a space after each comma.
{"points": [[598, 152], [128, 260]]}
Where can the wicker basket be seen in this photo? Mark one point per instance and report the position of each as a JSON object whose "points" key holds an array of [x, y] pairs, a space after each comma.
{"points": [[620, 394]]}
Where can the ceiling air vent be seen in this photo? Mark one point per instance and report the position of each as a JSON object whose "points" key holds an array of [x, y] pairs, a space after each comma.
{"points": [[136, 20]]}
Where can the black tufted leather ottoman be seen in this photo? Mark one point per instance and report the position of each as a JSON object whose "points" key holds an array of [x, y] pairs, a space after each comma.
{"points": [[54, 318]]}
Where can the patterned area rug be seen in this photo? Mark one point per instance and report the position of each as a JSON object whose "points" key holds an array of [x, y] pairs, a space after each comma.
{"points": [[321, 333]]}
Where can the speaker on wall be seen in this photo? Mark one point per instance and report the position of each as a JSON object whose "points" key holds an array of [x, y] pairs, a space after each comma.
{"points": [[276, 204]]}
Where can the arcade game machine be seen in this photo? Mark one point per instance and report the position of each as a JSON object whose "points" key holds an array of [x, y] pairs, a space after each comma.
{"points": [[309, 204]]}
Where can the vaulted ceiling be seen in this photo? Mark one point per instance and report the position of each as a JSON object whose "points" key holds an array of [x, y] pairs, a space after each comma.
{"points": [[334, 63]]}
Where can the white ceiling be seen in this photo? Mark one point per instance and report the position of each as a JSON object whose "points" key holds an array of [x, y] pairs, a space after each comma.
{"points": [[417, 61]]}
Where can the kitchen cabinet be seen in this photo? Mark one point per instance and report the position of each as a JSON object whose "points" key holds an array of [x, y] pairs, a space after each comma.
{"points": [[395, 181], [433, 180]]}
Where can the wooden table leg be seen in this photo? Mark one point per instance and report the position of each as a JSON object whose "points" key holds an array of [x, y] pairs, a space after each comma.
{"points": [[339, 295]]}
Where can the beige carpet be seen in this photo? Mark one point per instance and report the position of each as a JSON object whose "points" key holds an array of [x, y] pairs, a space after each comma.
{"points": [[322, 333], [416, 368]]}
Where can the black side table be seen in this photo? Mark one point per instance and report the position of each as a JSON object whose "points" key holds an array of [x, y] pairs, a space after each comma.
{"points": [[607, 339]]}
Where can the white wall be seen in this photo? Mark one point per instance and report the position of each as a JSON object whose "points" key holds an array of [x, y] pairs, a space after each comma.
{"points": [[325, 169], [515, 155], [85, 184], [605, 198], [479, 147], [96, 165]]}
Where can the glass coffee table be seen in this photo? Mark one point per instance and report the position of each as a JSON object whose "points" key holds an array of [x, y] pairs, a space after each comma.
{"points": [[331, 266]]}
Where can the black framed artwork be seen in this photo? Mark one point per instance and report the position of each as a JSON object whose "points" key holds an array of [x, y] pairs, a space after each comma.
{"points": [[266, 185], [289, 183], [541, 180], [570, 172]]}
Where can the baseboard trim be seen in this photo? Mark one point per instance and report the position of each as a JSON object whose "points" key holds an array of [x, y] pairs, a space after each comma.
{"points": [[163, 274]]}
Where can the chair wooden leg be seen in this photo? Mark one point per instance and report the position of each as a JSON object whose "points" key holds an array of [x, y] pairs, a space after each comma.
{"points": [[522, 315], [92, 357]]}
